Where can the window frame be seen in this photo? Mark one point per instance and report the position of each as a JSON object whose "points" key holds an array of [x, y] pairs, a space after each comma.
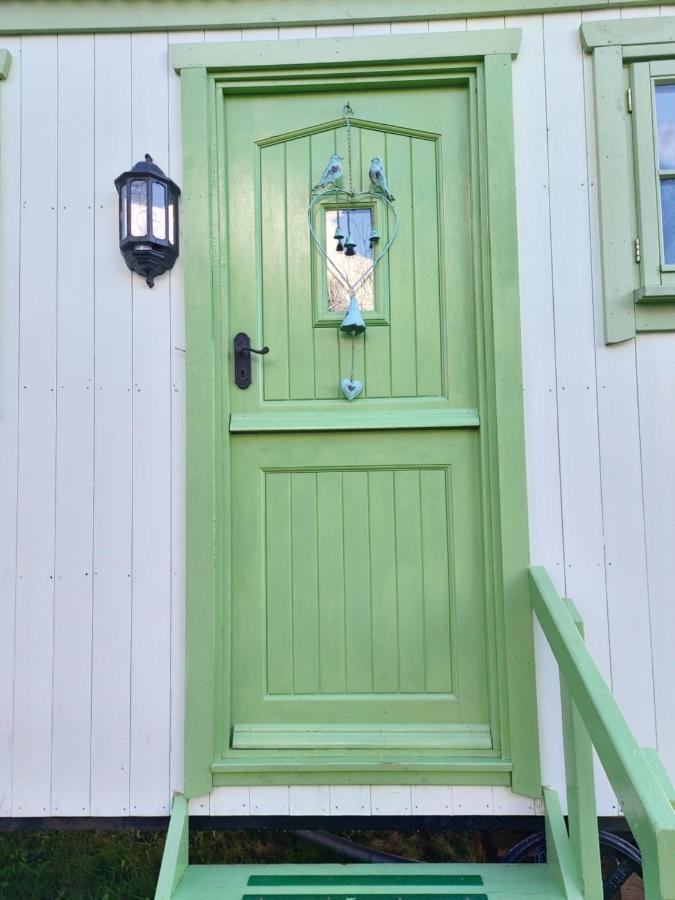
{"points": [[628, 57], [323, 316], [657, 277]]}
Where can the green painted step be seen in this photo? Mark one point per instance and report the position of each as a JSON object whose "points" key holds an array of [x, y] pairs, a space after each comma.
{"points": [[369, 882]]}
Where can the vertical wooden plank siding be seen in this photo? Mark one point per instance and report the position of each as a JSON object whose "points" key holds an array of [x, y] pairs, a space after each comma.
{"points": [[10, 215], [539, 358], [34, 614], [73, 552], [77, 316], [574, 324], [656, 380], [151, 547], [113, 441], [577, 402], [621, 478]]}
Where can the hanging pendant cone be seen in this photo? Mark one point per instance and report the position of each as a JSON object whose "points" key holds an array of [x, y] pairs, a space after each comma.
{"points": [[353, 322], [338, 236], [350, 243]]}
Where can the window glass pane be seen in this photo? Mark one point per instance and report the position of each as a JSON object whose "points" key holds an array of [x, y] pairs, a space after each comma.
{"points": [[358, 223], [158, 211], [668, 217], [665, 124], [139, 209]]}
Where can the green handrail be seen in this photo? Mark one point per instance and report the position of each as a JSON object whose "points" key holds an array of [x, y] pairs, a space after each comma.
{"points": [[643, 795]]}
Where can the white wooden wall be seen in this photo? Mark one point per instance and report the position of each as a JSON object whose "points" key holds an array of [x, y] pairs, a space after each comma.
{"points": [[92, 436]]}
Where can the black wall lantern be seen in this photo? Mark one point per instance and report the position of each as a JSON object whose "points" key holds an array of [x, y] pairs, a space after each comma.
{"points": [[148, 219]]}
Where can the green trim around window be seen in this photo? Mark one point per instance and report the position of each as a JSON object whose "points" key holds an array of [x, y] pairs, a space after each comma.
{"points": [[5, 63], [206, 72], [633, 301], [72, 16], [628, 34]]}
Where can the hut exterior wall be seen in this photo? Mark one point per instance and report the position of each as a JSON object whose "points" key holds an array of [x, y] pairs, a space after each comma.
{"points": [[92, 491]]}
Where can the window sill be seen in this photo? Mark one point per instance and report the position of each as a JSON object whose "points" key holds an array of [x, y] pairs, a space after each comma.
{"points": [[654, 293]]}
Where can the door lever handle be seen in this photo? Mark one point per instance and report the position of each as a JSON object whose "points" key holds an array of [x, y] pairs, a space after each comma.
{"points": [[242, 359]]}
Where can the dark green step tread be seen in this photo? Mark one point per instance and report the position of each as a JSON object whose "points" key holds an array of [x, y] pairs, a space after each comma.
{"points": [[407, 876], [357, 896], [431, 882]]}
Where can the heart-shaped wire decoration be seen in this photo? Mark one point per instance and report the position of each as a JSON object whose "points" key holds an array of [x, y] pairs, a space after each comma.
{"points": [[321, 247], [351, 387]]}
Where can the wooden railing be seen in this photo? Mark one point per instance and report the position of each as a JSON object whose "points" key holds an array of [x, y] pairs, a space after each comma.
{"points": [[592, 719]]}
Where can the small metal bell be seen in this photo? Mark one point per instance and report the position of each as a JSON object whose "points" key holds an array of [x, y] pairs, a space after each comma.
{"points": [[373, 237], [338, 236], [353, 321], [350, 243]]}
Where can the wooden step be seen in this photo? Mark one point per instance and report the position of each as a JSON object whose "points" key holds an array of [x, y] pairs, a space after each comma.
{"points": [[369, 882]]}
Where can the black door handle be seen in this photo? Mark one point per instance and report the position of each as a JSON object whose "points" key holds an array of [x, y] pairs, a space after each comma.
{"points": [[242, 359]]}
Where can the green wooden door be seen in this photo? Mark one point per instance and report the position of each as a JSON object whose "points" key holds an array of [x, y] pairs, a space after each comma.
{"points": [[358, 610]]}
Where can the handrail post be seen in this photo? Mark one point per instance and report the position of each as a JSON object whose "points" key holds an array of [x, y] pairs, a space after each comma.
{"points": [[581, 807], [176, 849]]}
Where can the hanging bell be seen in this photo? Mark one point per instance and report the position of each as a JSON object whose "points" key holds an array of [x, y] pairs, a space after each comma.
{"points": [[338, 236], [350, 243], [373, 237], [353, 321]]}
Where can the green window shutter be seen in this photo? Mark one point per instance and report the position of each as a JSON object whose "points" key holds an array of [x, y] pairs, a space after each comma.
{"points": [[630, 59]]}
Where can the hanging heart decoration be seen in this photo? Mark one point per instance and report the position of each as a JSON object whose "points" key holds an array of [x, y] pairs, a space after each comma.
{"points": [[351, 198], [351, 388]]}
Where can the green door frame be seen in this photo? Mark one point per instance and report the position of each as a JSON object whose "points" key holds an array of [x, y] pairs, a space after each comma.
{"points": [[207, 70]]}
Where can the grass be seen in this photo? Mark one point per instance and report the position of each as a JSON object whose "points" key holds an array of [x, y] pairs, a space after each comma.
{"points": [[123, 865]]}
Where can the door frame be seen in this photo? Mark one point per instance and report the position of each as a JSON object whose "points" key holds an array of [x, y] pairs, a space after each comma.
{"points": [[207, 71]]}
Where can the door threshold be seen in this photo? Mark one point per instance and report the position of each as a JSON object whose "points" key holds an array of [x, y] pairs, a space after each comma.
{"points": [[240, 768], [334, 738]]}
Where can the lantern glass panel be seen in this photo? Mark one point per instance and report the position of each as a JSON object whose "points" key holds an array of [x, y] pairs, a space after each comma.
{"points": [[139, 208], [123, 212], [172, 219], [158, 211]]}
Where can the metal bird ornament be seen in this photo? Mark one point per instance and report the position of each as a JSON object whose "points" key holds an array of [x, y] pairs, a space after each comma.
{"points": [[378, 178], [331, 174]]}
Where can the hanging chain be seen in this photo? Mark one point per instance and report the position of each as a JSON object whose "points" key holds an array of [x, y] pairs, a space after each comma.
{"points": [[347, 111]]}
